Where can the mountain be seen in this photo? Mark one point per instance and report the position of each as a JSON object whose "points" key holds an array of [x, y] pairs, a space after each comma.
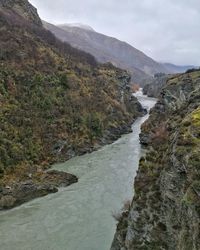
{"points": [[108, 49], [165, 211], [172, 68], [55, 102], [78, 25]]}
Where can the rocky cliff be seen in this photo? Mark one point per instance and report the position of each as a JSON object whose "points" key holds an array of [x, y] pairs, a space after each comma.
{"points": [[165, 211], [23, 8], [55, 102], [153, 87]]}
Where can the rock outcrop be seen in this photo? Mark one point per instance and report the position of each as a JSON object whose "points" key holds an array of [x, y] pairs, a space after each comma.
{"points": [[32, 184], [23, 8], [152, 87], [165, 211]]}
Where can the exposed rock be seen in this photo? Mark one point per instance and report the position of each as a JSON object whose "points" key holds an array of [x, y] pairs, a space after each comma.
{"points": [[23, 8], [59, 178], [7, 201], [165, 211], [153, 86], [41, 184]]}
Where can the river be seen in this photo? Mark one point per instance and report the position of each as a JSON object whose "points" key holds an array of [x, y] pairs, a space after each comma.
{"points": [[79, 217]]}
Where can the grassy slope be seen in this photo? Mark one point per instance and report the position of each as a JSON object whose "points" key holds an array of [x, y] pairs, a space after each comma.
{"points": [[53, 99]]}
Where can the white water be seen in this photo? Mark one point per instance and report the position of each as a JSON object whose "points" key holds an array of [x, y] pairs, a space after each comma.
{"points": [[79, 217]]}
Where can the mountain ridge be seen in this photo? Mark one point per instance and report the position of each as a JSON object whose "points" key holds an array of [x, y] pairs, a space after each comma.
{"points": [[109, 49], [78, 25], [173, 68]]}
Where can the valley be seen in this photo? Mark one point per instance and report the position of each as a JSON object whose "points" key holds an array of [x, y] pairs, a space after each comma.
{"points": [[99, 142], [81, 215]]}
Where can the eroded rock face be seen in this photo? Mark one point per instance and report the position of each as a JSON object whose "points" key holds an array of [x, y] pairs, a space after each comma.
{"points": [[23, 8], [165, 211], [153, 87], [37, 185]]}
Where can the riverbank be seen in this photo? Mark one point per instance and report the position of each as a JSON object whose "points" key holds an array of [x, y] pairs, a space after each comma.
{"points": [[56, 102], [19, 187], [28, 182], [79, 216]]}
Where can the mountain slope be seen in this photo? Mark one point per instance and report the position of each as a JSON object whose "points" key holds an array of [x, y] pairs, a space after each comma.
{"points": [[165, 211], [172, 68], [79, 25], [22, 8], [55, 102], [108, 49]]}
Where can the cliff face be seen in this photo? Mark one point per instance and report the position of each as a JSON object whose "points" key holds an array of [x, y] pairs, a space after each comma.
{"points": [[153, 86], [23, 8], [55, 101], [165, 211]]}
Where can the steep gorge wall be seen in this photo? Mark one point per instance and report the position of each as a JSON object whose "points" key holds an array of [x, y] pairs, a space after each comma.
{"points": [[23, 8], [153, 87], [165, 211]]}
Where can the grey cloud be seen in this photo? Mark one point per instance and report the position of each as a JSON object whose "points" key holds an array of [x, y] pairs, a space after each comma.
{"points": [[166, 30]]}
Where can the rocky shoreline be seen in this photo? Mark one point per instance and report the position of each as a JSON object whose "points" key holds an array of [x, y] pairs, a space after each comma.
{"points": [[56, 103], [36, 184], [29, 182], [109, 137]]}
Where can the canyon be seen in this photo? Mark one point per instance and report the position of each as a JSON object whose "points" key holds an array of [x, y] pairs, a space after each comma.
{"points": [[80, 152]]}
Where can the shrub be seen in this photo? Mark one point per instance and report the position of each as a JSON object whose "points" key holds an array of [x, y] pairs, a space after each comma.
{"points": [[192, 70], [161, 134], [64, 81], [94, 124]]}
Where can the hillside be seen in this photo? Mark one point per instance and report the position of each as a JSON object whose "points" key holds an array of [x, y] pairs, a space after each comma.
{"points": [[172, 68], [165, 210], [108, 49], [22, 8], [55, 102]]}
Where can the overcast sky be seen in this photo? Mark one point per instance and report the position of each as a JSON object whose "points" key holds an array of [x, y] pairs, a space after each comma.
{"points": [[166, 30]]}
